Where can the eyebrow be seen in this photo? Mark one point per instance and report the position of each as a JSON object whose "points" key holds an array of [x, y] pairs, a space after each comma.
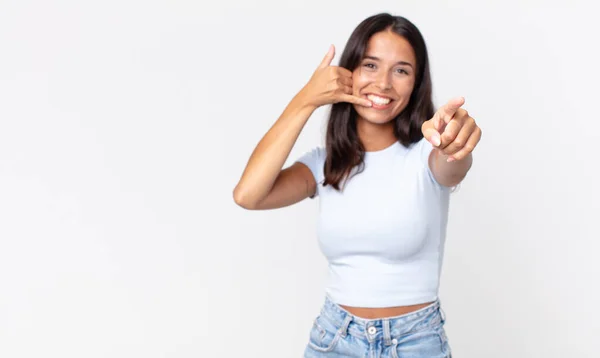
{"points": [[378, 59]]}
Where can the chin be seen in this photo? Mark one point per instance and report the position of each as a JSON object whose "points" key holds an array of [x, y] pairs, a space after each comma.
{"points": [[375, 117]]}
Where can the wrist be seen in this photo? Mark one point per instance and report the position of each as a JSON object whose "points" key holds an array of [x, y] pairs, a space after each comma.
{"points": [[303, 101], [299, 108]]}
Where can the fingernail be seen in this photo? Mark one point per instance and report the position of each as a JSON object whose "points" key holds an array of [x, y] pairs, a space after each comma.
{"points": [[450, 159], [436, 140]]}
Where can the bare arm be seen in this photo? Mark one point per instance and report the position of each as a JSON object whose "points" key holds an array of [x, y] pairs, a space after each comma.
{"points": [[267, 159], [292, 185], [264, 185]]}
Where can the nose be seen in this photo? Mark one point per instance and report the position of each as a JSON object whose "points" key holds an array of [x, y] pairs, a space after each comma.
{"points": [[383, 81]]}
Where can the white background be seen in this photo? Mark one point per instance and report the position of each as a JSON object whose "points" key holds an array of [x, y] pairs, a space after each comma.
{"points": [[125, 125]]}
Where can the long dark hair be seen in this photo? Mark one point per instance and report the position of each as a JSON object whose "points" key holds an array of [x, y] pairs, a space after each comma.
{"points": [[344, 149]]}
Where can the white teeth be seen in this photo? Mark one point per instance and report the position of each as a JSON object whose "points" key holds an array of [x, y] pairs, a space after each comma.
{"points": [[378, 100]]}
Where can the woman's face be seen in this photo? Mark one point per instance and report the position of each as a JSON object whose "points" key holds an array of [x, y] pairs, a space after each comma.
{"points": [[385, 76]]}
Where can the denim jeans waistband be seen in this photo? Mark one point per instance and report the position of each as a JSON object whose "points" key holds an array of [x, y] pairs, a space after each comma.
{"points": [[383, 328]]}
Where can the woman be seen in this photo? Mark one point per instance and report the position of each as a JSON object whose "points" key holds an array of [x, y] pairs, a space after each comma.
{"points": [[384, 180]]}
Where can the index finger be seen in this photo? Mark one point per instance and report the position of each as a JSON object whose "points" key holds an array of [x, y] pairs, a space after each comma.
{"points": [[448, 110]]}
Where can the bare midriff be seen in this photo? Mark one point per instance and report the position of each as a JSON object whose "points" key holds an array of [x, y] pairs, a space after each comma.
{"points": [[376, 313]]}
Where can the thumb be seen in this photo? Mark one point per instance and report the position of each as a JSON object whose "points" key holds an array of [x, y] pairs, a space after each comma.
{"points": [[328, 57], [431, 133]]}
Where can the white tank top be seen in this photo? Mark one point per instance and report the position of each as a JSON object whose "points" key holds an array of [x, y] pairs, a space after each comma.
{"points": [[384, 234]]}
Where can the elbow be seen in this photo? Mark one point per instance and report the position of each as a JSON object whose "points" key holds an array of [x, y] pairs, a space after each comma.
{"points": [[240, 197]]}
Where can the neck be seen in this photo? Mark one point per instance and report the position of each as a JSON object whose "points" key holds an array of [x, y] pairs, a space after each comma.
{"points": [[375, 137]]}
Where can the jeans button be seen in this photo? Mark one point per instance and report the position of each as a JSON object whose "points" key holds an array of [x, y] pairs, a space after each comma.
{"points": [[372, 330]]}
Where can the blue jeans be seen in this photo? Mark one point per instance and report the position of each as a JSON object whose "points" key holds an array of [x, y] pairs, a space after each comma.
{"points": [[336, 333]]}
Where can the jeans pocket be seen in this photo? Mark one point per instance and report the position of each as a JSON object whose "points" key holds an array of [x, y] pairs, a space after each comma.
{"points": [[424, 343], [321, 339]]}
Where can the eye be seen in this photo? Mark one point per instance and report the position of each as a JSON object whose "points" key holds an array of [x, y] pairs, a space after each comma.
{"points": [[402, 71], [369, 65]]}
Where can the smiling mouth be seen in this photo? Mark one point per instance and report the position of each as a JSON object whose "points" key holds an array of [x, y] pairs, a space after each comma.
{"points": [[379, 102], [382, 101]]}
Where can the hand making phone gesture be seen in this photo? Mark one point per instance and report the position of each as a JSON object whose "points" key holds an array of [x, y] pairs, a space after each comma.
{"points": [[331, 84]]}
